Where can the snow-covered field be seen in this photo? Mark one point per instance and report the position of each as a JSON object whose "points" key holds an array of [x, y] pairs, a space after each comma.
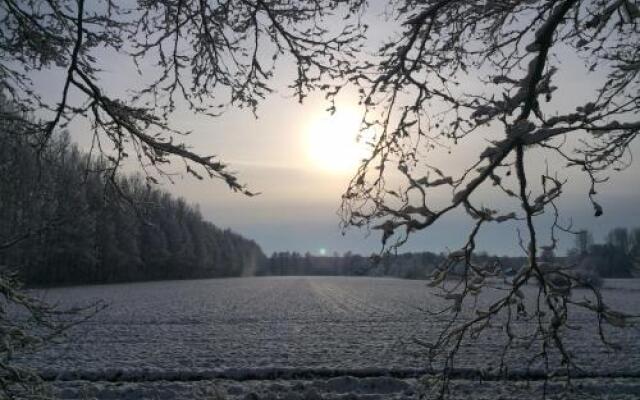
{"points": [[292, 338]]}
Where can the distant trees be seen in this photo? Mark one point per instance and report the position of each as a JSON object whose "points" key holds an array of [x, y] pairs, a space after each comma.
{"points": [[618, 238], [84, 230], [292, 263], [418, 265], [617, 258], [635, 245]]}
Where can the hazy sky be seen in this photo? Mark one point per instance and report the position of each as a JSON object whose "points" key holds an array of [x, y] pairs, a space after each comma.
{"points": [[283, 155]]}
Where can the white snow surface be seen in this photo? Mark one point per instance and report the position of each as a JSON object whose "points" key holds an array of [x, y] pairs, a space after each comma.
{"points": [[296, 337]]}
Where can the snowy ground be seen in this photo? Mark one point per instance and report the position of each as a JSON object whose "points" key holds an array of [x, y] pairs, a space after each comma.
{"points": [[292, 338]]}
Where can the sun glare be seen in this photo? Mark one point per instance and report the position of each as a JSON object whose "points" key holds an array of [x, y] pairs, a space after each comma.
{"points": [[332, 141]]}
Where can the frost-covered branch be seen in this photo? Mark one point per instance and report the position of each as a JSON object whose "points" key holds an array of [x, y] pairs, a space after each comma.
{"points": [[490, 69]]}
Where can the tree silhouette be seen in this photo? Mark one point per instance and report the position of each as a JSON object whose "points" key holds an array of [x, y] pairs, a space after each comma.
{"points": [[492, 69], [202, 54]]}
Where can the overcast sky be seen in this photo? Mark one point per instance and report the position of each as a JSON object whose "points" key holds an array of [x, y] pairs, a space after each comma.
{"points": [[280, 155]]}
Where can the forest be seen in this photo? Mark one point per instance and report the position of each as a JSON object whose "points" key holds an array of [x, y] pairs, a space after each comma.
{"points": [[67, 219]]}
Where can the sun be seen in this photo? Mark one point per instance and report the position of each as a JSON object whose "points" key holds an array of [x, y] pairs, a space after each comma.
{"points": [[331, 141]]}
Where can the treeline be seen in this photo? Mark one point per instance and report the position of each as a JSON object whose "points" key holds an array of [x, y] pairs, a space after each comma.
{"points": [[617, 257], [293, 263], [73, 223], [418, 265]]}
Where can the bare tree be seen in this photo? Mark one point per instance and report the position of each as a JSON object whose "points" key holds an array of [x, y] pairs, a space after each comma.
{"points": [[206, 55], [463, 69]]}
